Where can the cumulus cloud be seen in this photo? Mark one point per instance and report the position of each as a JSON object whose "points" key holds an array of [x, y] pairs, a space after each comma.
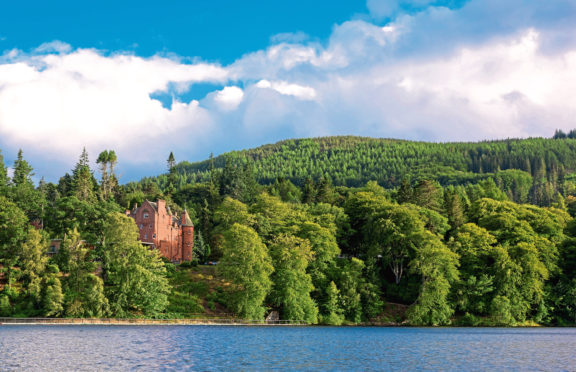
{"points": [[229, 98], [61, 102], [427, 70], [283, 87]]}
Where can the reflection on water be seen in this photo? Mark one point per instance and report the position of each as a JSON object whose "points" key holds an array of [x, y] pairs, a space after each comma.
{"points": [[205, 348]]}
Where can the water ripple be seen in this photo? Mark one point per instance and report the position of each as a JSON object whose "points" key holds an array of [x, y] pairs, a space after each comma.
{"points": [[212, 348]]}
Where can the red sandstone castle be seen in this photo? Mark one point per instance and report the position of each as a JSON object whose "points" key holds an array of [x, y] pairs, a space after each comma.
{"points": [[160, 229]]}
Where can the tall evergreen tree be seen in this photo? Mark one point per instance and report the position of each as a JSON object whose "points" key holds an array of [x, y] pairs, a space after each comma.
{"points": [[22, 171], [83, 182]]}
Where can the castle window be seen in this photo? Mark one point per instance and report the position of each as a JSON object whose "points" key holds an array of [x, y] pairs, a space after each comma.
{"points": [[141, 226], [146, 214], [189, 232], [150, 225], [153, 236], [145, 236]]}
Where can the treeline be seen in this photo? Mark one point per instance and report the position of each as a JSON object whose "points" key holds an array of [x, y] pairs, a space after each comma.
{"points": [[534, 169], [315, 251], [101, 269]]}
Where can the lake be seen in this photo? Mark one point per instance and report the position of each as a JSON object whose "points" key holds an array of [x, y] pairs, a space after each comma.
{"points": [[211, 348]]}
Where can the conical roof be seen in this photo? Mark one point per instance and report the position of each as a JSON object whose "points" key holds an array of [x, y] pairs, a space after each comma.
{"points": [[186, 221]]}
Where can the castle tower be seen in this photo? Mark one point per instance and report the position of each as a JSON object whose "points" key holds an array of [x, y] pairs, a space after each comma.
{"points": [[187, 231]]}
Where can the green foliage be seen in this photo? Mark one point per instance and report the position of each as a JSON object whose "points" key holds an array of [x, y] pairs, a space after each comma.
{"points": [[346, 224], [3, 175], [353, 161], [246, 263], [5, 306], [285, 190], [83, 181], [53, 297], [84, 290], [291, 284], [33, 262], [201, 248], [135, 276], [332, 314], [438, 267], [13, 228]]}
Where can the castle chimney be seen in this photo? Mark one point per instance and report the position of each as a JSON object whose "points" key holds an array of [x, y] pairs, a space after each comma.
{"points": [[161, 205]]}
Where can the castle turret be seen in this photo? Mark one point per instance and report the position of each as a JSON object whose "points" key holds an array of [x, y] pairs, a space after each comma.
{"points": [[187, 229]]}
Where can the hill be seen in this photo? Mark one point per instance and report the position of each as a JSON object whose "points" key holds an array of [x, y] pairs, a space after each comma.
{"points": [[352, 161]]}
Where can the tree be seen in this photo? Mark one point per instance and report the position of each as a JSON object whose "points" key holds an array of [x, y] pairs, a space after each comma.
{"points": [[476, 248], [396, 233], [325, 191], [13, 228], [171, 161], [405, 192], [107, 160], [291, 284], [22, 192], [53, 297], [348, 276], [135, 276], [82, 179], [84, 290], [437, 266], [308, 191], [171, 187], [286, 190], [455, 207], [103, 162], [33, 262], [201, 248], [246, 264], [331, 313], [22, 171], [428, 194]]}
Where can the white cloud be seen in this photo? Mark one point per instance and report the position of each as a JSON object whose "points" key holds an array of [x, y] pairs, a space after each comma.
{"points": [[54, 46], [283, 87], [60, 102], [229, 98]]}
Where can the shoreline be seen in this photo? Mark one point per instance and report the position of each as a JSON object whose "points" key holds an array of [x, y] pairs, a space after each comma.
{"points": [[217, 322], [144, 322]]}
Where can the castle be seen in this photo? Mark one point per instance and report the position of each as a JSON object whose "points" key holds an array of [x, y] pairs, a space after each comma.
{"points": [[160, 229]]}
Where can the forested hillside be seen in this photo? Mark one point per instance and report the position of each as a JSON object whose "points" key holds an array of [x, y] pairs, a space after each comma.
{"points": [[518, 166], [483, 243]]}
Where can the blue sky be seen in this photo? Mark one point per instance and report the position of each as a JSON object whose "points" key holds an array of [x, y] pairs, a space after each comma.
{"points": [[145, 78], [213, 30]]}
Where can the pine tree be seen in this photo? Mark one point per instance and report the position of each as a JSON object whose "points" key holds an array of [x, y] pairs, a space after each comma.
{"points": [[22, 171], [82, 179], [308, 191], [171, 187]]}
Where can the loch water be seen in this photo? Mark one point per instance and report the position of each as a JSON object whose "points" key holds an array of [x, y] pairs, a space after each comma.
{"points": [[253, 348]]}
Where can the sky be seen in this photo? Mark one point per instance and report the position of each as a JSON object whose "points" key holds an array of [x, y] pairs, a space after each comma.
{"points": [[195, 77]]}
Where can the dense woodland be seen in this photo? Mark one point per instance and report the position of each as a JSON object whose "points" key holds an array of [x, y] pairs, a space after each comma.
{"points": [[333, 231]]}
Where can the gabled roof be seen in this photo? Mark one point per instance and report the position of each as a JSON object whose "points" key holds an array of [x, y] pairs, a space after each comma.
{"points": [[153, 204]]}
